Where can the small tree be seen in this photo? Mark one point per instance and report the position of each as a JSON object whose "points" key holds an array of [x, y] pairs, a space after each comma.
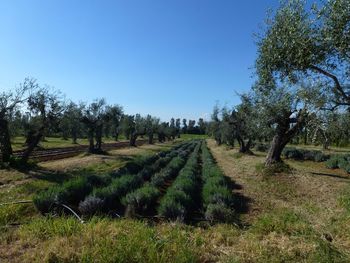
{"points": [[201, 126], [70, 124], [286, 114], [93, 118], [245, 123], [136, 126], [151, 126], [114, 115], [184, 126], [46, 108], [227, 130], [172, 127], [178, 127], [214, 127]]}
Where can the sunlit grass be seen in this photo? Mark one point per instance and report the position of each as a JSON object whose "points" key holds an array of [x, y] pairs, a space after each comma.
{"points": [[58, 142]]}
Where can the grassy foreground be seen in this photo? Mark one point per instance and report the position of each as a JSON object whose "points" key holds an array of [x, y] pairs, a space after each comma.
{"points": [[303, 216]]}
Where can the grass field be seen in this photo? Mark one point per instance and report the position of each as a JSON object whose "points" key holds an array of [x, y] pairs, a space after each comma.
{"points": [[301, 216], [58, 142]]}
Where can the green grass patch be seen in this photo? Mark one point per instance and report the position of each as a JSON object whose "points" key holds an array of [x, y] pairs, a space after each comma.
{"points": [[282, 221]]}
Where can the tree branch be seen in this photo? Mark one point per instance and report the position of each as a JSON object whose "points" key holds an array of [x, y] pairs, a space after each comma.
{"points": [[334, 78]]}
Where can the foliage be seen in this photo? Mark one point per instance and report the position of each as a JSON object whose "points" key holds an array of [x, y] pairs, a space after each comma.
{"points": [[90, 206], [69, 193], [143, 198], [179, 199], [112, 194], [216, 194], [219, 213], [339, 161]]}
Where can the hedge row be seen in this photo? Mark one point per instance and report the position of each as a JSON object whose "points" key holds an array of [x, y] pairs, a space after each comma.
{"points": [[339, 161], [136, 165], [75, 190], [216, 193], [70, 192], [307, 155], [110, 197], [144, 198], [180, 198]]}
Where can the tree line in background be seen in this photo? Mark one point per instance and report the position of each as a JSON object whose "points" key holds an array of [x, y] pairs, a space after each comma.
{"points": [[37, 112], [301, 95], [302, 91]]}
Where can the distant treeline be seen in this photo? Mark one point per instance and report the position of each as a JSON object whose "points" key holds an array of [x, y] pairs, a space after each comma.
{"points": [[36, 112]]}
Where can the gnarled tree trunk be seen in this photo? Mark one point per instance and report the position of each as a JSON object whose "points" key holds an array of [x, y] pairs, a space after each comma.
{"points": [[275, 151], [284, 133], [150, 138], [98, 147], [5, 142], [133, 138], [33, 142]]}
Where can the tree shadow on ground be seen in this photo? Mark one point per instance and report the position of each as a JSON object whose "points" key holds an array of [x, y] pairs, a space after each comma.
{"points": [[241, 203], [50, 176], [331, 175]]}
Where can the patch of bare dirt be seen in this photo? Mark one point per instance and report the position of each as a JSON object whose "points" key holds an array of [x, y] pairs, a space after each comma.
{"points": [[87, 160]]}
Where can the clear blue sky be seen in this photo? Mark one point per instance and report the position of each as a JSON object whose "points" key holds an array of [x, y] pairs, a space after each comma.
{"points": [[162, 57]]}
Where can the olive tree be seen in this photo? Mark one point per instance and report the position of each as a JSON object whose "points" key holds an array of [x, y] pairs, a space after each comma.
{"points": [[214, 126], [151, 126], [245, 123], [227, 130], [45, 107], [9, 102], [93, 119], [300, 43], [285, 112], [113, 119], [70, 124], [184, 126], [136, 127]]}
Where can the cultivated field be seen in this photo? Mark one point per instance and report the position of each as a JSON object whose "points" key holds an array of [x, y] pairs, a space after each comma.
{"points": [[191, 201]]}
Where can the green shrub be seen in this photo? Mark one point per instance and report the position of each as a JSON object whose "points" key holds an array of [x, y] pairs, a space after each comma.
{"points": [[219, 213], [90, 206], [44, 200], [73, 191], [347, 168], [342, 163], [214, 194], [143, 198], [168, 172], [217, 181], [170, 208], [99, 180], [179, 199], [321, 157], [293, 153], [332, 163], [262, 147], [135, 166], [112, 194], [69, 193]]}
